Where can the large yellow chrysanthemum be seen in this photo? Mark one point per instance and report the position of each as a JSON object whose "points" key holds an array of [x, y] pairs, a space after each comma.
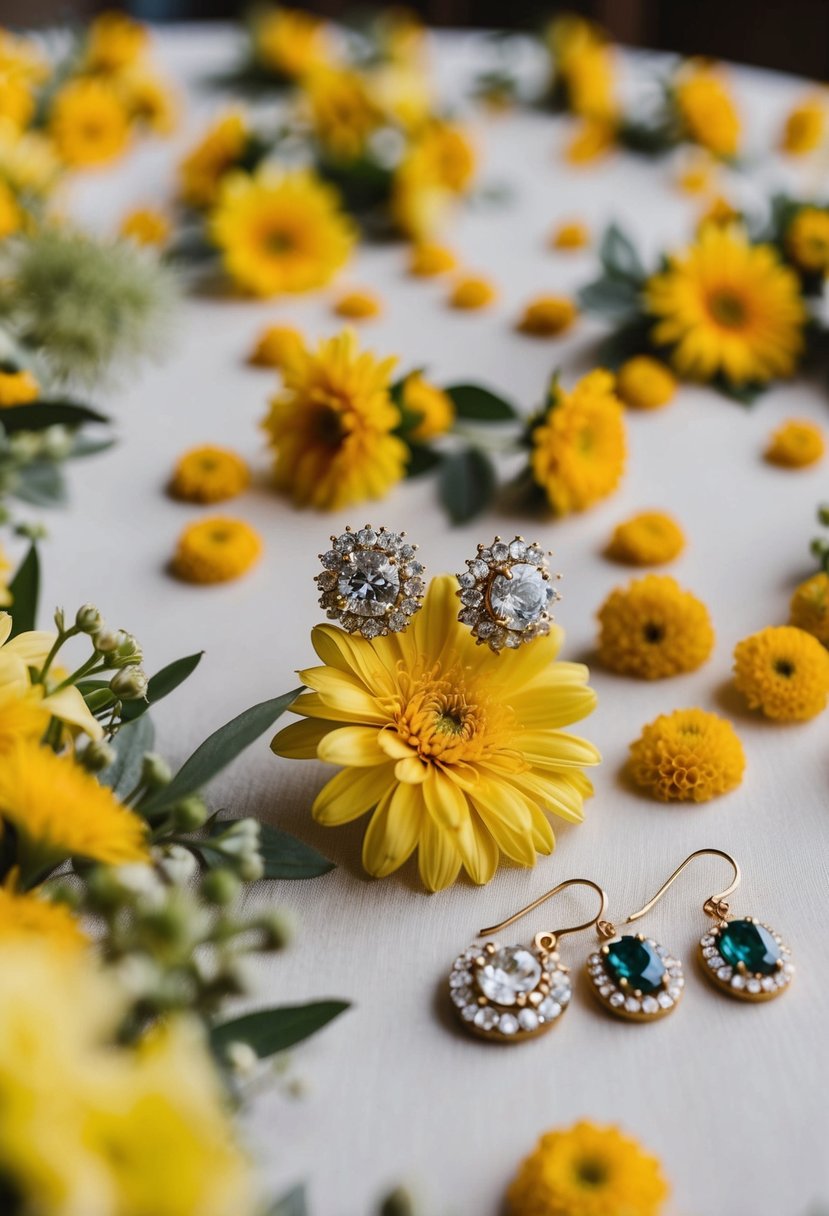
{"points": [[280, 232], [331, 427], [727, 308], [27, 917], [456, 751]]}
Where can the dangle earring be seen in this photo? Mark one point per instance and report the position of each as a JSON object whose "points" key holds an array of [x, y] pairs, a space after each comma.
{"points": [[506, 994]]}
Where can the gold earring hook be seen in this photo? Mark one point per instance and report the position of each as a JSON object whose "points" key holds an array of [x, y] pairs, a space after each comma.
{"points": [[714, 906], [548, 940]]}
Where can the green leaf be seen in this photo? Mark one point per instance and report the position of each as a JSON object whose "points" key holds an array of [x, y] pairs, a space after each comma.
{"points": [[613, 298], [218, 750], [619, 257], [745, 394], [162, 684], [41, 484], [478, 404], [467, 484], [271, 1030], [422, 459], [40, 414], [83, 447], [292, 1204], [130, 743], [24, 589], [287, 857]]}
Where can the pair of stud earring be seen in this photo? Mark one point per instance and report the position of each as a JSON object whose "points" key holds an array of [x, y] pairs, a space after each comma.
{"points": [[506, 994], [372, 583]]}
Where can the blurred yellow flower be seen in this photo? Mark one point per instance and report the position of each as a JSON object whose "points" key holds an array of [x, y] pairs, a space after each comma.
{"points": [[342, 111], [88, 123], [456, 751], [115, 41], [216, 550], [280, 232], [360, 304], [809, 607], [149, 100], [472, 292], [6, 573], [720, 213], [807, 240], [331, 428], [644, 383], [797, 444], [219, 151], [438, 168], [805, 127], [17, 388], [592, 139], [687, 756], [653, 629], [12, 216], [28, 164], [547, 316], [784, 672], [697, 174], [428, 260], [30, 918], [22, 70], [146, 226], [433, 408], [289, 41], [583, 66], [571, 234], [707, 109], [209, 474], [276, 346], [650, 538]]}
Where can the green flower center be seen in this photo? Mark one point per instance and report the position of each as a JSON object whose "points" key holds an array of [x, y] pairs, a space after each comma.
{"points": [[727, 309]]}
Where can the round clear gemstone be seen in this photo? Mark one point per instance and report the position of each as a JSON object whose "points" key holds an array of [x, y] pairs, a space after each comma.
{"points": [[463, 996], [675, 991], [549, 1009], [508, 1024], [714, 961], [708, 951], [595, 960], [767, 983], [469, 1012], [510, 971], [632, 1004], [724, 973], [708, 940], [369, 584], [500, 552], [617, 999], [460, 979], [738, 982], [561, 993], [528, 1019], [366, 536], [518, 550], [605, 990], [520, 598], [486, 1018], [650, 1005], [753, 986], [665, 1000]]}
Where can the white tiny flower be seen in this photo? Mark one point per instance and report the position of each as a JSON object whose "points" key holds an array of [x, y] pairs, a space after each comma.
{"points": [[241, 1057], [177, 863]]}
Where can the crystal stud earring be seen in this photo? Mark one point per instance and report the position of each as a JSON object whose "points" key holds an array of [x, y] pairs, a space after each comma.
{"points": [[371, 581], [507, 592]]}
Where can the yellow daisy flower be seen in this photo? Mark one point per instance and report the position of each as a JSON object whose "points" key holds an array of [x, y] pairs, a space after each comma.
{"points": [[588, 1171], [687, 756], [146, 226], [289, 42], [809, 607], [805, 126], [331, 427], [280, 232], [707, 110], [276, 346], [796, 444], [571, 234], [726, 307], [456, 751], [650, 538], [59, 810], [428, 259], [17, 388], [30, 918], [579, 451], [219, 151], [807, 240], [358, 305], [591, 140], [653, 629], [434, 408], [149, 101], [25, 708], [547, 316], [784, 672], [644, 383], [342, 110], [115, 41], [583, 60], [89, 123], [472, 292], [216, 550], [209, 474]]}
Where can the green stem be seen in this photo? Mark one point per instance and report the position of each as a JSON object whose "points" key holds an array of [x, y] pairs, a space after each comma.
{"points": [[50, 658], [86, 669]]}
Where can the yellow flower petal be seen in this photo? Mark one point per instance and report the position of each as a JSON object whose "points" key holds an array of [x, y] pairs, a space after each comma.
{"points": [[411, 770], [350, 794], [342, 692], [355, 745], [478, 849], [300, 740], [438, 859], [445, 801], [552, 792], [394, 746], [70, 707], [506, 813], [555, 749], [394, 831], [31, 647], [561, 707]]}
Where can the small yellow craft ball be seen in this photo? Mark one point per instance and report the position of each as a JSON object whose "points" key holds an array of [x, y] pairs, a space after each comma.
{"points": [[570, 235], [358, 306], [648, 539], [18, 388], [784, 672], [146, 226], [277, 346], [807, 240], [653, 629], [216, 550], [209, 474], [434, 408], [547, 316], [809, 608], [797, 444], [472, 292], [428, 260], [644, 383], [687, 756]]}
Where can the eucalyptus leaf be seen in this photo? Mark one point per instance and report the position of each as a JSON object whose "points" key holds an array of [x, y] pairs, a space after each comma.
{"points": [[478, 404], [271, 1030], [613, 298], [422, 459], [41, 483], [292, 1204], [619, 257], [83, 446], [284, 856], [41, 414], [130, 743], [162, 684], [24, 590], [467, 484]]}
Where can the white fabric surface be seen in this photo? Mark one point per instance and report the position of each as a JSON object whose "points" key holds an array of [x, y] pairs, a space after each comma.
{"points": [[731, 1097]]}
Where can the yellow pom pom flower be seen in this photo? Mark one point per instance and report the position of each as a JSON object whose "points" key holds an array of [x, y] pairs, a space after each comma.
{"points": [[579, 451], [784, 672], [433, 407], [588, 1171], [115, 41], [572, 234], [427, 260], [687, 756], [472, 292], [358, 305], [219, 151], [728, 308], [707, 110], [809, 608], [796, 444], [280, 232], [216, 550], [149, 101], [88, 123], [805, 127], [807, 240], [289, 42], [332, 427], [17, 388], [653, 629], [146, 226], [276, 346], [456, 751], [644, 383], [209, 474], [547, 316], [342, 111], [651, 538], [30, 918]]}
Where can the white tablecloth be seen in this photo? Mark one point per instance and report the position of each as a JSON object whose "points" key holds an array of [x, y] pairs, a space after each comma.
{"points": [[731, 1097]]}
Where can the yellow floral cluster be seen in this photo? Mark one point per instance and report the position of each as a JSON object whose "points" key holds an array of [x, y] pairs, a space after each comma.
{"points": [[784, 672], [687, 756], [653, 629]]}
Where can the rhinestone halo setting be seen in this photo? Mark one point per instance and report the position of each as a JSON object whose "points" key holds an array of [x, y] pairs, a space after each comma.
{"points": [[740, 980], [622, 998], [507, 994], [507, 594], [371, 581]]}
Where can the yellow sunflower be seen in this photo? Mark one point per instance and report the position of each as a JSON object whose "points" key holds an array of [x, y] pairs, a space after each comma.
{"points": [[332, 427], [728, 308], [280, 232], [218, 152], [89, 123], [457, 752], [22, 69]]}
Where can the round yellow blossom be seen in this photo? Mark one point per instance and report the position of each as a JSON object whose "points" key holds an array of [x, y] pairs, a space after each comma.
{"points": [[783, 671], [29, 166], [472, 292], [428, 260], [30, 918], [342, 110], [280, 232], [446, 155], [358, 305], [17, 388], [88, 123], [807, 240], [707, 110], [644, 383], [591, 140], [796, 444], [547, 316], [276, 346], [809, 607], [332, 427], [805, 127], [209, 474], [438, 168], [146, 226], [434, 409], [456, 751], [216, 550], [579, 450], [12, 215], [149, 101], [720, 213], [648, 539], [729, 308], [115, 42], [653, 629], [22, 70], [219, 151], [572, 234], [289, 42], [687, 756], [588, 1171]]}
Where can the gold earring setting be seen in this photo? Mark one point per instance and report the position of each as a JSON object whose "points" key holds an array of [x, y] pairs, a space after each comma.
{"points": [[507, 592], [636, 978], [371, 581], [746, 959]]}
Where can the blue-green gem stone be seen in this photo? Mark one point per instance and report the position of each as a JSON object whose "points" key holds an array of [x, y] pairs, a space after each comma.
{"points": [[743, 941], [637, 962]]}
